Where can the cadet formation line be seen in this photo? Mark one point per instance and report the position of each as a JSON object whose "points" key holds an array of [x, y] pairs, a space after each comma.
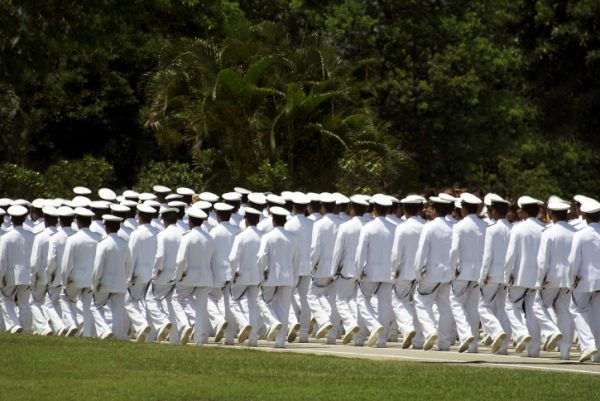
{"points": [[182, 267]]}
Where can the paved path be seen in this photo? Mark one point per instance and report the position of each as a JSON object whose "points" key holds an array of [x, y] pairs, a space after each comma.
{"points": [[549, 361]]}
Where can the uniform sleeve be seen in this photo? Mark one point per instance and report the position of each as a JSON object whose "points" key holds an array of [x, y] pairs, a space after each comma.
{"points": [[3, 261], [98, 267], [488, 256], [574, 260], [67, 262], [234, 255], [421, 257], [396, 256], [454, 256], [158, 259], [35, 258], [51, 263], [132, 248], [128, 264], [263, 255], [181, 260], [315, 247], [511, 255], [338, 252], [543, 258], [360, 260]]}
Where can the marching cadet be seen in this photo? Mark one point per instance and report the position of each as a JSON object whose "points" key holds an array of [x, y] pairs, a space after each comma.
{"points": [[584, 275], [112, 267], [159, 301], [56, 250], [552, 285], [492, 312], [142, 246], [375, 278], [466, 254], [395, 213], [77, 265], [302, 228], [344, 255], [406, 241], [433, 275], [15, 273], [181, 207], [99, 208], [521, 275], [278, 260], [122, 212], [222, 235], [194, 278], [161, 192], [314, 207], [266, 225], [234, 199], [246, 278], [321, 294], [39, 279]]}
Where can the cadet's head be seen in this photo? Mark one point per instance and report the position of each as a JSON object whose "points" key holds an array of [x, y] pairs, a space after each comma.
{"points": [[17, 215], [437, 209], [251, 216], [223, 211], [169, 218], [195, 222], [499, 210], [412, 208], [83, 221], [112, 224], [358, 209], [279, 216], [530, 210], [327, 207]]}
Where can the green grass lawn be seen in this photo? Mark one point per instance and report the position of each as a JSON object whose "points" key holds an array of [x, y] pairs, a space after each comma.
{"points": [[35, 368]]}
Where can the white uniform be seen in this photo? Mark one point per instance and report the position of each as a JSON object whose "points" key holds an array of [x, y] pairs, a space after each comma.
{"points": [[302, 228], [466, 256], [278, 256], [492, 302], [194, 278], [77, 266], [39, 280], [142, 245], [244, 267], [55, 254], [584, 269], [433, 275], [374, 266], [15, 277], [521, 265], [553, 298], [404, 249], [112, 268], [321, 294], [98, 227]]}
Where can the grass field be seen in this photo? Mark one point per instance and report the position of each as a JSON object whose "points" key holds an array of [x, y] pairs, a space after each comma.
{"points": [[35, 368]]}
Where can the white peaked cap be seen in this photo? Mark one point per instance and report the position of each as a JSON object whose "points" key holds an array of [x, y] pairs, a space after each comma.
{"points": [[382, 200], [196, 213], [590, 205], [580, 198], [66, 211], [437, 199], [21, 202], [276, 199], [469, 198], [232, 196], [558, 206], [17, 210], [100, 205], [278, 211], [359, 200], [129, 203], [201, 205], [340, 199], [2, 212], [173, 197], [130, 194], [119, 208], [242, 191], [110, 217], [161, 189], [52, 202], [81, 201], [145, 209], [5, 202], [120, 198], [185, 191], [300, 199], [447, 197], [287, 196], [257, 198], [314, 197], [82, 191], [152, 203], [107, 194], [50, 211], [490, 198], [222, 207], [177, 204], [209, 197], [251, 210], [327, 197], [528, 200], [166, 209], [81, 211], [415, 199], [38, 203], [144, 196]]}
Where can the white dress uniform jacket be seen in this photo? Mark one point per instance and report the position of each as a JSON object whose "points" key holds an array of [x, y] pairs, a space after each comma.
{"points": [[433, 252], [553, 256], [584, 259], [323, 240], [406, 241], [78, 259], [279, 257], [112, 265], [521, 256], [55, 254], [39, 256], [466, 252], [15, 257], [223, 236], [243, 257], [374, 250], [302, 228], [196, 259], [346, 242], [494, 252], [167, 246], [142, 245]]}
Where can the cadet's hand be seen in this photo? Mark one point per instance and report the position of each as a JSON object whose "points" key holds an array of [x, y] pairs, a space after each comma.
{"points": [[482, 282], [236, 275], [266, 275], [363, 274], [423, 273], [397, 274], [539, 286]]}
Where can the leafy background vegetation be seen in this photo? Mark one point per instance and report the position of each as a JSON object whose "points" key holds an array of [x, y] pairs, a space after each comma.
{"points": [[353, 95]]}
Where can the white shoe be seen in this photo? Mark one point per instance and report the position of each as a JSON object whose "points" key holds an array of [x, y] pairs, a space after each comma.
{"points": [[323, 330], [350, 334], [273, 331], [553, 341], [163, 332], [407, 340], [588, 354], [374, 336], [16, 329], [429, 341], [141, 337], [522, 343], [293, 332], [47, 332], [186, 334], [243, 334], [464, 345], [71, 332], [497, 343], [62, 332], [107, 335], [220, 332]]}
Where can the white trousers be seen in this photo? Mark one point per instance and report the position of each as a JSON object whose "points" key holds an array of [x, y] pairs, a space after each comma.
{"points": [[135, 306], [197, 299], [321, 299], [12, 297], [243, 302], [585, 307], [159, 305], [404, 310], [464, 299], [274, 303], [77, 310], [39, 319], [346, 290], [492, 312], [116, 304], [53, 309], [372, 316], [551, 308], [519, 308], [300, 310], [432, 304]]}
